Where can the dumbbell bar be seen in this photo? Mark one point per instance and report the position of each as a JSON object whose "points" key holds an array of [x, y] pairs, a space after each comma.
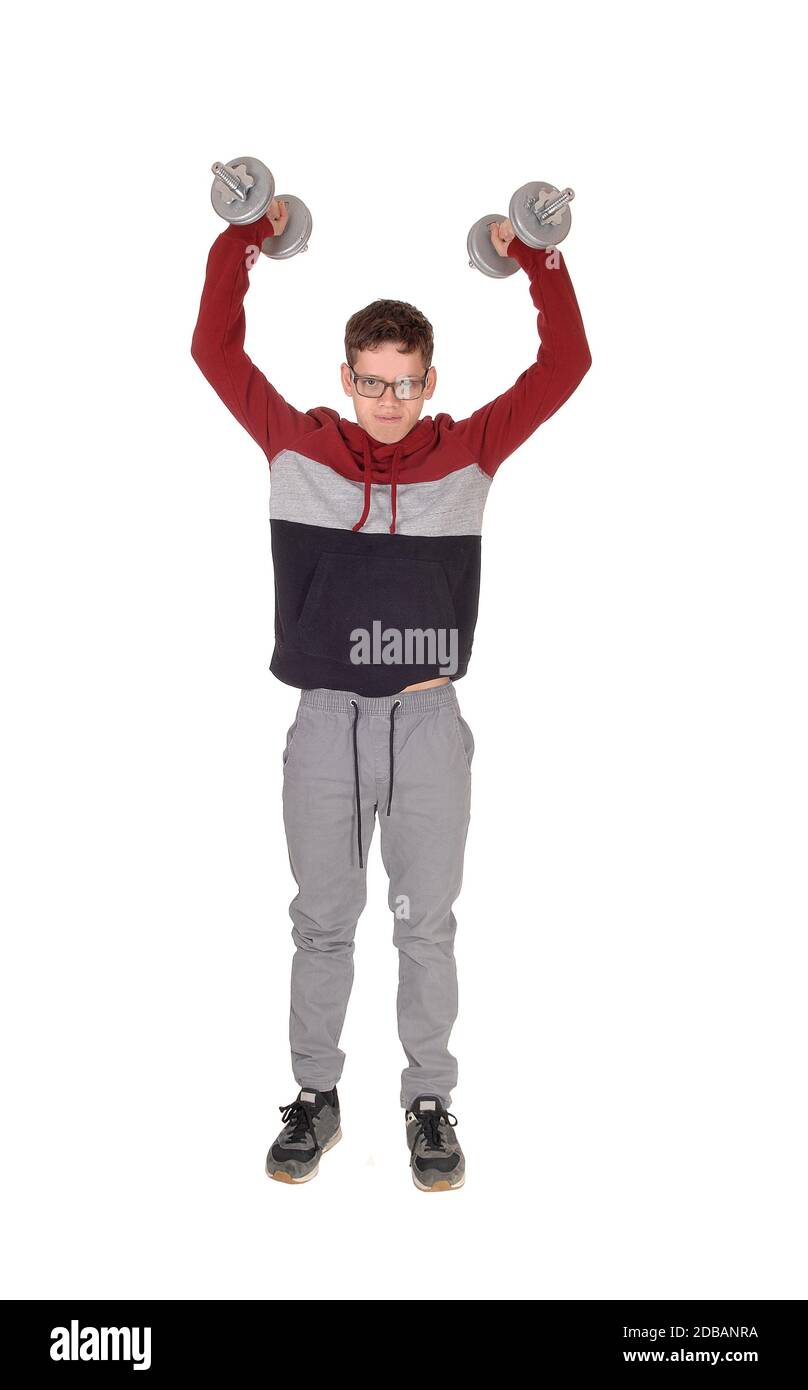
{"points": [[243, 190], [540, 217]]}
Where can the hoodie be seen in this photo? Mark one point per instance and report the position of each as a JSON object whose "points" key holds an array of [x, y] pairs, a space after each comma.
{"points": [[376, 547]]}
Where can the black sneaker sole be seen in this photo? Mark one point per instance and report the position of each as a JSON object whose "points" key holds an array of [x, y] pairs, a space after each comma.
{"points": [[280, 1175]]}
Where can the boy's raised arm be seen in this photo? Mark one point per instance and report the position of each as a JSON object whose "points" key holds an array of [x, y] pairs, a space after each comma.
{"points": [[217, 345], [498, 428]]}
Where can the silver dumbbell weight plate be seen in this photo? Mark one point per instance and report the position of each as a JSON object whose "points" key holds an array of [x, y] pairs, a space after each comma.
{"points": [[525, 211], [260, 191], [295, 234], [482, 252]]}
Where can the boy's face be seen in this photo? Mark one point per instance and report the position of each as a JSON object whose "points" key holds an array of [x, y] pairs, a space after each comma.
{"points": [[386, 418]]}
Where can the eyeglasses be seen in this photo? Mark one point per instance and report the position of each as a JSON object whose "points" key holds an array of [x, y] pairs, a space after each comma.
{"points": [[405, 388]]}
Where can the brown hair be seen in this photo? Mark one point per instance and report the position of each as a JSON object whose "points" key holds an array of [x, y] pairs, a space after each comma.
{"points": [[389, 321]]}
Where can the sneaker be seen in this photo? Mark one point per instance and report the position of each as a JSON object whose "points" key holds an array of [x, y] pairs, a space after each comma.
{"points": [[436, 1158], [311, 1127]]}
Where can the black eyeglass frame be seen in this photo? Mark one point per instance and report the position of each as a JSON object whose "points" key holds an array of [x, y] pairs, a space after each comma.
{"points": [[422, 379]]}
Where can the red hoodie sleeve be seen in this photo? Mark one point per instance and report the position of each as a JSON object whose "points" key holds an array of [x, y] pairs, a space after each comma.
{"points": [[217, 345], [498, 428]]}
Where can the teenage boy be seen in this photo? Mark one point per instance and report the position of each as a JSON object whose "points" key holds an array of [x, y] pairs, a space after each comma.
{"points": [[375, 530]]}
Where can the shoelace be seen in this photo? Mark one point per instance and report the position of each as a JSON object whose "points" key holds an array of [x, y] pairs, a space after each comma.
{"points": [[395, 706], [297, 1115], [429, 1126]]}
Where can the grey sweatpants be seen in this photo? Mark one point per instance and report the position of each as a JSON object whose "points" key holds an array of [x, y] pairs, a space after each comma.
{"points": [[337, 765]]}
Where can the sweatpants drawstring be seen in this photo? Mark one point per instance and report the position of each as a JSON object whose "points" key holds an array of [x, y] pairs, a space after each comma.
{"points": [[356, 783], [392, 717], [395, 706]]}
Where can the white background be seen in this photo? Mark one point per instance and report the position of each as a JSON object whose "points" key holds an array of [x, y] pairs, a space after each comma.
{"points": [[631, 930]]}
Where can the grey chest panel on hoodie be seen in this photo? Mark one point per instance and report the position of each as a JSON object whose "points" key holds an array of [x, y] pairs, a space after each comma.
{"points": [[305, 491]]}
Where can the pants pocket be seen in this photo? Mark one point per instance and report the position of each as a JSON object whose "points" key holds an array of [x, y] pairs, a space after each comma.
{"points": [[291, 735], [465, 736]]}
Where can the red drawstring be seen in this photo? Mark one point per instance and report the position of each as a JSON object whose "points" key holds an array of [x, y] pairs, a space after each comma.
{"points": [[393, 473], [357, 526]]}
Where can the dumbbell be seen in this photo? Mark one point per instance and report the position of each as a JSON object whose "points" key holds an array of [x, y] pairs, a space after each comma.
{"points": [[243, 190], [540, 217]]}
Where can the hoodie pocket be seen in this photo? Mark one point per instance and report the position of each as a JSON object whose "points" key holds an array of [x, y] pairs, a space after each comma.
{"points": [[350, 593]]}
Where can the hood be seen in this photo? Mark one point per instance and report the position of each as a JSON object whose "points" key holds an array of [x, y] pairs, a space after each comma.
{"points": [[381, 463]]}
